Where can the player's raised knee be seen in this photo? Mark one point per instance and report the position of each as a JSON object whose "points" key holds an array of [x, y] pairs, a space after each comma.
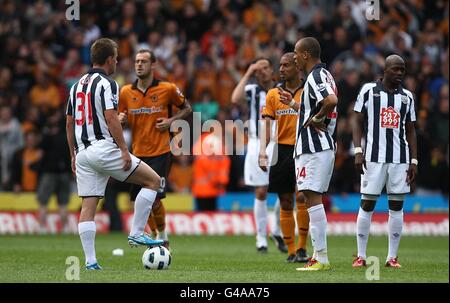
{"points": [[153, 182]]}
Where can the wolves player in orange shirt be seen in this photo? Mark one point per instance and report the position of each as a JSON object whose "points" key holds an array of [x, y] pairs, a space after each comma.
{"points": [[282, 173], [147, 107]]}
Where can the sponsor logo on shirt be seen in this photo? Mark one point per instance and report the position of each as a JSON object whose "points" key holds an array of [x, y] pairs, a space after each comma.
{"points": [[390, 118], [147, 110]]}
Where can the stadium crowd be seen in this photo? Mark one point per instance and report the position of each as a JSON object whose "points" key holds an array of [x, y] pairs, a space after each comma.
{"points": [[205, 47]]}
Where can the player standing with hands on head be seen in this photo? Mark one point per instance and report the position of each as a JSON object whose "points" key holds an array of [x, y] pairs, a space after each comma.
{"points": [[385, 116], [282, 173], [98, 150], [315, 145], [146, 107], [255, 95]]}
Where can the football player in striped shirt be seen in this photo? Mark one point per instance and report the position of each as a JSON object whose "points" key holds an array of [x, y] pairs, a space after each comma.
{"points": [[384, 116], [98, 150], [315, 144]]}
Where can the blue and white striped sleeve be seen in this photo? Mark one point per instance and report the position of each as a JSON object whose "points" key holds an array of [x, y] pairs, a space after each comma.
{"points": [[69, 108], [249, 91], [411, 115], [362, 98], [110, 95], [322, 84]]}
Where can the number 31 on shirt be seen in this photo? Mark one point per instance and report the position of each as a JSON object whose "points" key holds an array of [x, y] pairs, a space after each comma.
{"points": [[82, 109]]}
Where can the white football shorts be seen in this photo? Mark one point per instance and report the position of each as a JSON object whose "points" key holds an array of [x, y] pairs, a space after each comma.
{"points": [[313, 171], [98, 162], [253, 174], [377, 175]]}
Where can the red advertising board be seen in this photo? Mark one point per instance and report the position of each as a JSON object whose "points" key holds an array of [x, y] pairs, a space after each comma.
{"points": [[222, 223]]}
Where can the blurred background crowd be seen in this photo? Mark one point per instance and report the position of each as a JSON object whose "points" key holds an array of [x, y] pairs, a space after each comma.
{"points": [[205, 47]]}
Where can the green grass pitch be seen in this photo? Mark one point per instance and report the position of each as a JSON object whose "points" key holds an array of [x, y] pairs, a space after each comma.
{"points": [[215, 259]]}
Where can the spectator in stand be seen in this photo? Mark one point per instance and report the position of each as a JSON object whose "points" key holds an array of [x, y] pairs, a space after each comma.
{"points": [[154, 18], [436, 166], [226, 81], [205, 79], [178, 75], [207, 106], [348, 91], [33, 119], [56, 176], [439, 120], [26, 163], [217, 41], [45, 94], [71, 67], [304, 10], [260, 19], [37, 38], [345, 20], [23, 78], [11, 139]]}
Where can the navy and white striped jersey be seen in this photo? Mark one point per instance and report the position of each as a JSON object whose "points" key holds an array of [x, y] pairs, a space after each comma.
{"points": [[94, 93], [256, 98], [385, 116], [319, 85]]}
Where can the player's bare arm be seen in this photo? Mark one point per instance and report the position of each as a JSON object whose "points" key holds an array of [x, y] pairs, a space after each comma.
{"points": [[412, 141], [116, 132], [286, 98], [318, 120], [262, 157], [70, 138], [238, 94], [163, 124], [357, 126]]}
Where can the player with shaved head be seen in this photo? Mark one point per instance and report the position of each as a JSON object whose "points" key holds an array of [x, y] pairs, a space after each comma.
{"points": [[385, 116]]}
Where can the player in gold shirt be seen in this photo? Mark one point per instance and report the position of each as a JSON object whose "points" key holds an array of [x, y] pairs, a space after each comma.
{"points": [[148, 108], [282, 170]]}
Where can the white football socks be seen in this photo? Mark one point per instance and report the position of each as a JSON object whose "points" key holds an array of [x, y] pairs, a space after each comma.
{"points": [[162, 235], [362, 231], [276, 230], [142, 208], [395, 225], [260, 213], [87, 231], [318, 229]]}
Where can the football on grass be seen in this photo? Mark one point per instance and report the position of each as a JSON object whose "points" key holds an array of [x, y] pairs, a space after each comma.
{"points": [[156, 258]]}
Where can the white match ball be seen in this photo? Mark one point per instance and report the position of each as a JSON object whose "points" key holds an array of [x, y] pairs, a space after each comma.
{"points": [[117, 252]]}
